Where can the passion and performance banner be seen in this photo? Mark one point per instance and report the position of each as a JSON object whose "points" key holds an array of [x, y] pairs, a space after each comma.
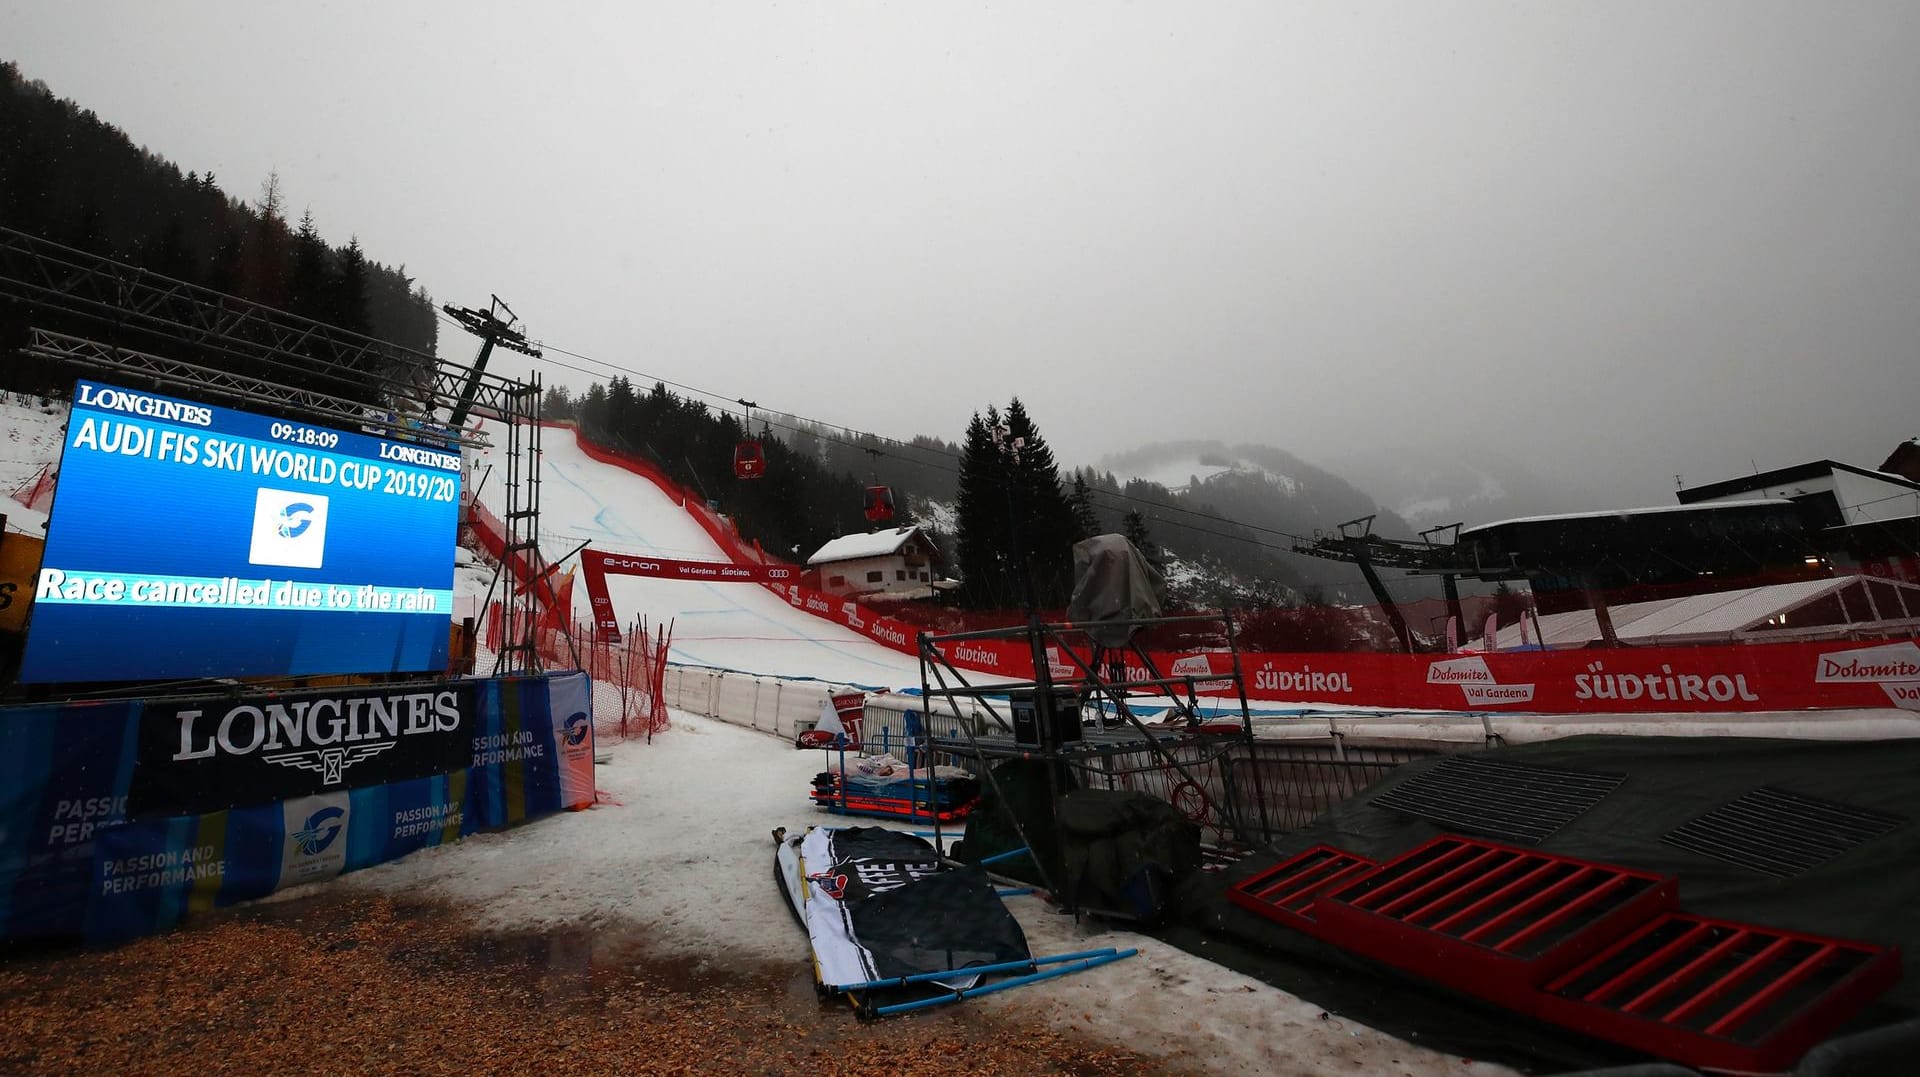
{"points": [[81, 857]]}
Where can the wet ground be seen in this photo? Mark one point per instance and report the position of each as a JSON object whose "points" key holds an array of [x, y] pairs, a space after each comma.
{"points": [[333, 983]]}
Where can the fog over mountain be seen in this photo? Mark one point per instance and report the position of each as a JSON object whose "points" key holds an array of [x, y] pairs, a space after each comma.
{"points": [[1280, 499], [1480, 486], [1259, 485], [1616, 241]]}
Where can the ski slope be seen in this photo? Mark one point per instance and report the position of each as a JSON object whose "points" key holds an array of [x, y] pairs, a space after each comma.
{"points": [[732, 626]]}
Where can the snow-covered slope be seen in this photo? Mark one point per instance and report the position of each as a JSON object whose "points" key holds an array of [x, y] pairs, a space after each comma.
{"points": [[736, 626], [30, 436]]}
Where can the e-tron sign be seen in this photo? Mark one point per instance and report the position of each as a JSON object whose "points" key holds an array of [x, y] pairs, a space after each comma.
{"points": [[195, 541]]}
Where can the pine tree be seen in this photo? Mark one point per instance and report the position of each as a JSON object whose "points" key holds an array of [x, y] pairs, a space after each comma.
{"points": [[593, 412], [981, 523], [1135, 529], [623, 409], [1086, 520], [307, 284], [272, 202], [350, 301], [1015, 526], [1047, 527], [557, 404]]}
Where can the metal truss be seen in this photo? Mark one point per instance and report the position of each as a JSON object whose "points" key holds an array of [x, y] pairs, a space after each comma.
{"points": [[238, 389], [44, 274]]}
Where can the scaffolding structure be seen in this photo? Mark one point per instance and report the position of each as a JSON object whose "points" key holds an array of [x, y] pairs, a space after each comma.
{"points": [[1098, 757]]}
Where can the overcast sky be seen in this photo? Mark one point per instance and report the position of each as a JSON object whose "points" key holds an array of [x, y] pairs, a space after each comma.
{"points": [[1624, 240]]}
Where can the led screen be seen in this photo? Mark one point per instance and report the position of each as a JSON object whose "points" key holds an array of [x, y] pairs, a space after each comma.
{"points": [[196, 541]]}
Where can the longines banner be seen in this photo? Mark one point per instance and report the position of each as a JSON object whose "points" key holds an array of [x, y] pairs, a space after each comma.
{"points": [[206, 755], [76, 863]]}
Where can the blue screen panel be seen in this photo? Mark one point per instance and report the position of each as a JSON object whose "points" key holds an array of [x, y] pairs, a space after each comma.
{"points": [[195, 541]]}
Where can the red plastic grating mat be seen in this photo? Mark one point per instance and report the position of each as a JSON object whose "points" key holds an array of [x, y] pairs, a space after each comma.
{"points": [[1285, 892], [1718, 994], [1488, 918]]}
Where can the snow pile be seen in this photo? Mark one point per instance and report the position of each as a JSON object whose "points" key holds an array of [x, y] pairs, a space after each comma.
{"points": [[31, 438], [683, 859]]}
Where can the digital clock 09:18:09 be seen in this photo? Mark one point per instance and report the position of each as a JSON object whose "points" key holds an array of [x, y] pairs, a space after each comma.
{"points": [[304, 435]]}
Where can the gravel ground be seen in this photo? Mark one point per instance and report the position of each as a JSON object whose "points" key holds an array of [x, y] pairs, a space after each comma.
{"points": [[336, 982]]}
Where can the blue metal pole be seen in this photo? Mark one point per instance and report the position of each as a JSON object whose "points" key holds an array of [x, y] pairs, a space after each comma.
{"points": [[997, 857], [1004, 966], [1018, 981], [1015, 892]]}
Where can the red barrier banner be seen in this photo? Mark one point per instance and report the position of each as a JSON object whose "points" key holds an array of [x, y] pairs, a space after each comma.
{"points": [[1835, 675], [620, 564], [606, 623], [596, 566], [1734, 678], [881, 629], [490, 533]]}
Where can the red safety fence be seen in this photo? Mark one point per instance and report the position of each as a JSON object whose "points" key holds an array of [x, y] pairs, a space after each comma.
{"points": [[1632, 680], [631, 672], [552, 591], [37, 492], [1834, 675], [628, 675]]}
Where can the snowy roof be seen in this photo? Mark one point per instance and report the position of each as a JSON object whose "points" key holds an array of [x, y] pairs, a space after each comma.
{"points": [[864, 544], [1650, 510], [1720, 614], [1781, 476]]}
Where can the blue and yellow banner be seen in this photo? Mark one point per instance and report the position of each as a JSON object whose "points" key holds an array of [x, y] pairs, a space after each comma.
{"points": [[73, 865]]}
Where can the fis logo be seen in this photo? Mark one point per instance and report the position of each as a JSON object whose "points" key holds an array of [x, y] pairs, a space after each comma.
{"points": [[577, 726], [295, 519], [321, 828], [289, 529]]}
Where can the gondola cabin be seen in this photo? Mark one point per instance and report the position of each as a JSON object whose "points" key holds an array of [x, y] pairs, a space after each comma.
{"points": [[749, 460], [879, 508]]}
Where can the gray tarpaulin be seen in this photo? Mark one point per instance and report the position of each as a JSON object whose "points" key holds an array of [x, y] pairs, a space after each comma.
{"points": [[1112, 581]]}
